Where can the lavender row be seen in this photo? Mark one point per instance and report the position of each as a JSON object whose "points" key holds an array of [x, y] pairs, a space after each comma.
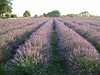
{"points": [[83, 23], [36, 50], [91, 34], [72, 47], [91, 21], [16, 24], [12, 39], [6, 25]]}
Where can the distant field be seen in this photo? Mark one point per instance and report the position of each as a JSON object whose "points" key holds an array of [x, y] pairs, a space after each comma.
{"points": [[50, 46]]}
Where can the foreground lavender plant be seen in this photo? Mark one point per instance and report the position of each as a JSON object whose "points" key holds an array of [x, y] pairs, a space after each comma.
{"points": [[12, 39], [76, 51], [35, 51]]}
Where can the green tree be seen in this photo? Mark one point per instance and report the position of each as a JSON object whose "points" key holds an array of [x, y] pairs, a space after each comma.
{"points": [[72, 15], [36, 16], [5, 7], [13, 16], [44, 14], [85, 14], [7, 15], [26, 14], [54, 13]]}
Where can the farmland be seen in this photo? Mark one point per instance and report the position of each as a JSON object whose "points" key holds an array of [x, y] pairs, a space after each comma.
{"points": [[50, 46]]}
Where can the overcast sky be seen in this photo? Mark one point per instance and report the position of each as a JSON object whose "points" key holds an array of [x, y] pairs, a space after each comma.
{"points": [[64, 6]]}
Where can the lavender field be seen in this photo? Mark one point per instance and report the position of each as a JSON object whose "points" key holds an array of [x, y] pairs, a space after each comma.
{"points": [[50, 46]]}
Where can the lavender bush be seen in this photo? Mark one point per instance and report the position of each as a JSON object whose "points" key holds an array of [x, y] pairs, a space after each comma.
{"points": [[13, 38], [34, 52], [77, 51], [89, 32]]}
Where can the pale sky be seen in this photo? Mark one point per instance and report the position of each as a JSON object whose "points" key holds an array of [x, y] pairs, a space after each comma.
{"points": [[64, 6]]}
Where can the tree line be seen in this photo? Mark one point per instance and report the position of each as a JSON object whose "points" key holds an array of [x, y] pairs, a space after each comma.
{"points": [[6, 9]]}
